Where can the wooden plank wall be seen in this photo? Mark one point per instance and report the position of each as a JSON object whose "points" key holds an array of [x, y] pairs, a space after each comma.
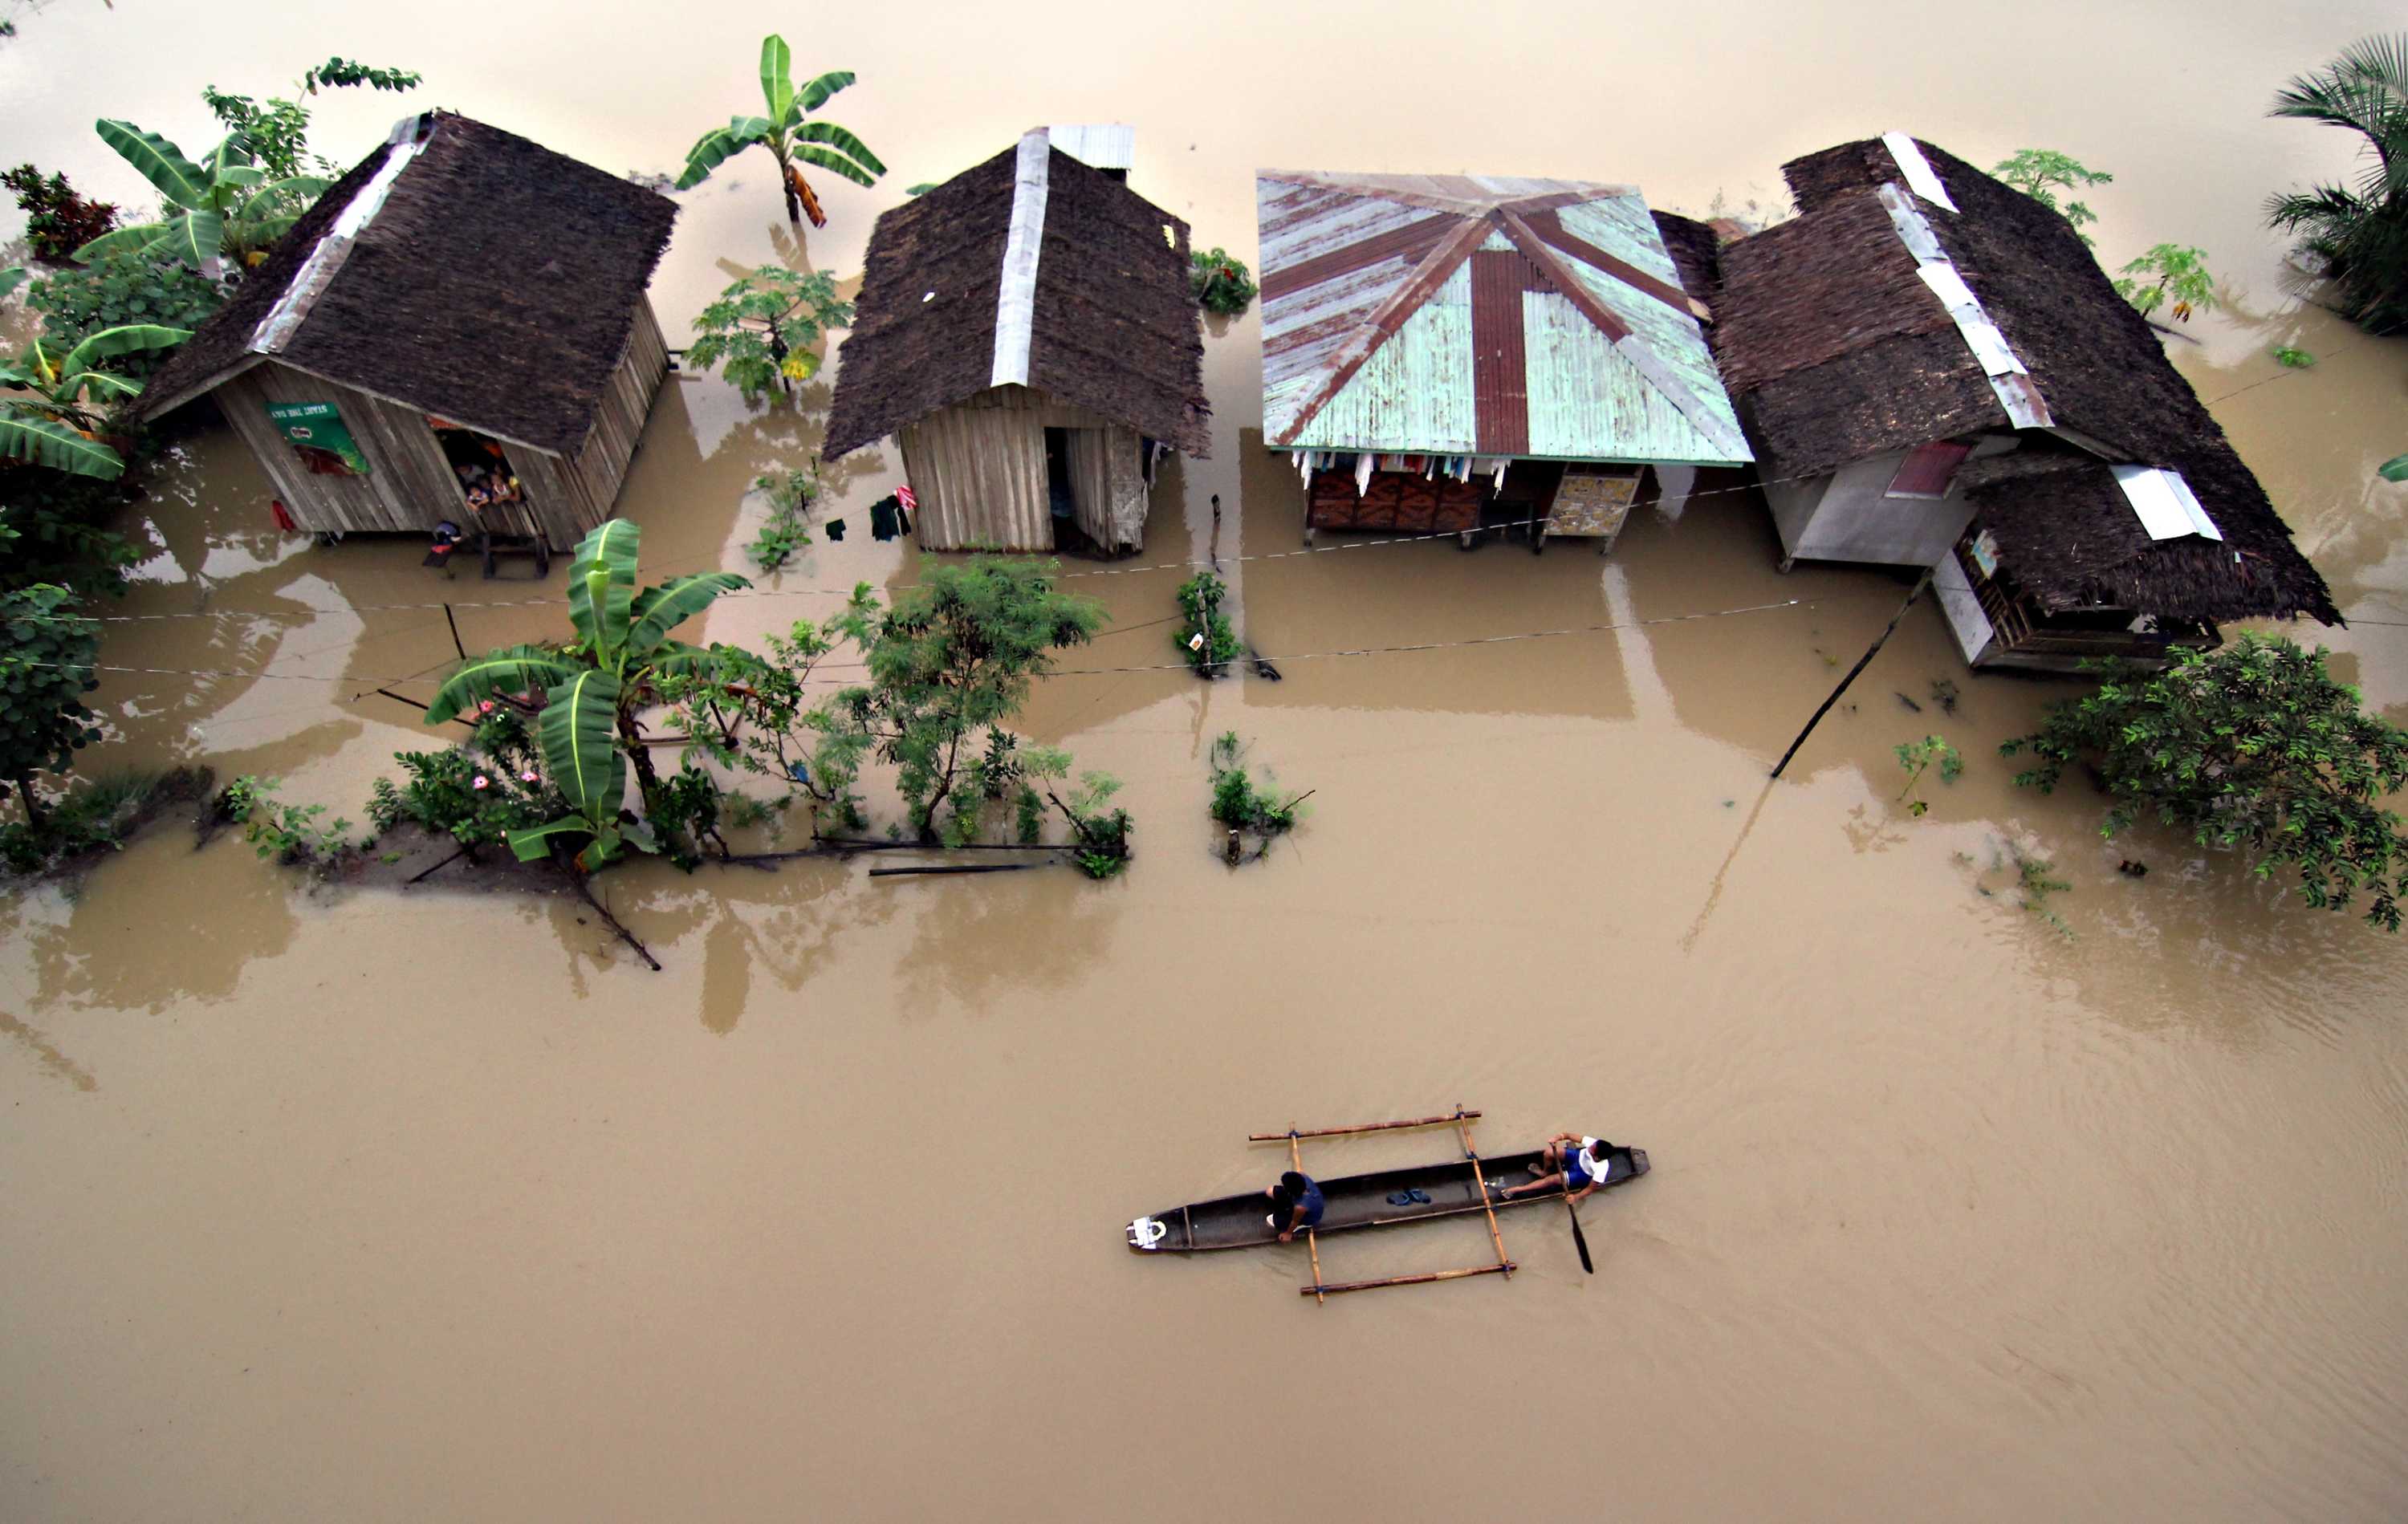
{"points": [[979, 470], [1108, 484], [601, 467], [409, 487]]}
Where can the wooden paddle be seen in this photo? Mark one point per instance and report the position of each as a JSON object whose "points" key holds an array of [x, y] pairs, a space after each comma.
{"points": [[1580, 1240]]}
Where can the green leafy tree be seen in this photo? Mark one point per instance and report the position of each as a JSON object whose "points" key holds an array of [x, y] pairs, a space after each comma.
{"points": [[1221, 282], [2361, 230], [46, 668], [278, 131], [58, 222], [2041, 173], [950, 664], [765, 330], [52, 411], [225, 206], [118, 290], [789, 135], [2182, 279], [55, 528], [2253, 748], [593, 687]]}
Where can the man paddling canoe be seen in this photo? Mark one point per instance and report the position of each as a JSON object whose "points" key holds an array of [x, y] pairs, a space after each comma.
{"points": [[1296, 1203], [1572, 1164]]}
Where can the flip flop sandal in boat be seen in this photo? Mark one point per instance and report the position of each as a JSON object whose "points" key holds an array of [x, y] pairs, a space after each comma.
{"points": [[1409, 1197]]}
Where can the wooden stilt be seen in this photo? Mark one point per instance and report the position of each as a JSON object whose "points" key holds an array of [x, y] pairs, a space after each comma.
{"points": [[1331, 1289], [1480, 1178], [1311, 1239]]}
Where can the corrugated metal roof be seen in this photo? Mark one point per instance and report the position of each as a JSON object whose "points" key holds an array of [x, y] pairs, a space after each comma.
{"points": [[1480, 314], [1111, 146]]}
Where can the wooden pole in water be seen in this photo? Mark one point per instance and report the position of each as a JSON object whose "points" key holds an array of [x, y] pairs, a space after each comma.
{"points": [[1862, 662], [1311, 1240], [1367, 1127], [1340, 1287], [1480, 1178]]}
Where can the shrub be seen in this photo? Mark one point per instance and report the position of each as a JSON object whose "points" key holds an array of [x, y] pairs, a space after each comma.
{"points": [[2253, 748], [472, 798], [119, 290], [1199, 599], [790, 492], [1221, 283], [287, 833], [1238, 804], [794, 311], [58, 222]]}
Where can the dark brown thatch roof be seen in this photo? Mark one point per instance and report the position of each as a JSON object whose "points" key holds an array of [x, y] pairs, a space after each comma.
{"points": [[496, 284], [1838, 352], [1115, 329]]}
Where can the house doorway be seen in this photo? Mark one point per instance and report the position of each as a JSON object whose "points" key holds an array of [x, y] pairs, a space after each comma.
{"points": [[500, 522]]}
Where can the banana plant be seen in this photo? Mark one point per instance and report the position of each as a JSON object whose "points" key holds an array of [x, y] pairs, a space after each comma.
{"points": [[51, 408], [789, 137], [225, 206], [593, 687]]}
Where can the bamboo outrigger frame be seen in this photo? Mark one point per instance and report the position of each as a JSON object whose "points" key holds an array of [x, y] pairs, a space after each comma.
{"points": [[1461, 1119]]}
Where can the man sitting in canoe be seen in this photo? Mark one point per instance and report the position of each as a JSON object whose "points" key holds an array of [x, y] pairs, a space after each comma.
{"points": [[1575, 1166], [1296, 1203]]}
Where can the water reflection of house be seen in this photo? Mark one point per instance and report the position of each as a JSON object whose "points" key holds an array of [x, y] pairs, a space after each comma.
{"points": [[1440, 350], [464, 307], [1943, 362], [1026, 332]]}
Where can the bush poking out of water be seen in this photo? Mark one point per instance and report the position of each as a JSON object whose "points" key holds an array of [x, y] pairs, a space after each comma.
{"points": [[1917, 757], [1222, 283], [1261, 811], [290, 833], [100, 814], [791, 494], [1204, 637]]}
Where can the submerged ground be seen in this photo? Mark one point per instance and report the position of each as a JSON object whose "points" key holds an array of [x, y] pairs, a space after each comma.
{"points": [[343, 1206]]}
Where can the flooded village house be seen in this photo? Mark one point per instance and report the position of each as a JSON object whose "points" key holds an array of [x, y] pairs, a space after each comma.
{"points": [[1026, 332], [1935, 372], [1440, 350], [461, 319]]}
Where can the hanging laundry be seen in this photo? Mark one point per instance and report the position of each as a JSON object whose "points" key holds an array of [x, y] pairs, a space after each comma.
{"points": [[882, 515], [1363, 473], [906, 503], [835, 529]]}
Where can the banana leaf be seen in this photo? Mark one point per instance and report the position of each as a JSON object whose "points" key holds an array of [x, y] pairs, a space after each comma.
{"points": [[46, 441], [82, 384], [604, 568], [512, 669], [10, 279], [713, 148], [195, 236], [240, 177], [776, 76], [841, 140], [2394, 469], [670, 605], [578, 731], [158, 160], [833, 162], [536, 841], [136, 239], [125, 338], [264, 200], [815, 95]]}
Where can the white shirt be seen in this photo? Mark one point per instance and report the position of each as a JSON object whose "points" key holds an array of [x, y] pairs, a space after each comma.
{"points": [[1593, 1158]]}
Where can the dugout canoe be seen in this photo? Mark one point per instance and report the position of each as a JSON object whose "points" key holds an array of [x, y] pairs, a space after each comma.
{"points": [[1361, 1201]]}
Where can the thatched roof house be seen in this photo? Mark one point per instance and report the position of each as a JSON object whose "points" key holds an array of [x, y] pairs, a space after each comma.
{"points": [[1026, 331], [1442, 348], [461, 291], [1944, 361]]}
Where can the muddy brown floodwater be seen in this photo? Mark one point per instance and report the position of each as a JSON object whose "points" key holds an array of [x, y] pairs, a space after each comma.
{"points": [[350, 1206]]}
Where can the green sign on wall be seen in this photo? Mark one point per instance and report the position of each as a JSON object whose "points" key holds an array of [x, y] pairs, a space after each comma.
{"points": [[316, 430]]}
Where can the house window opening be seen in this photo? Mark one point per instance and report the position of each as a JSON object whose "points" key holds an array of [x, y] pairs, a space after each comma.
{"points": [[1928, 471], [478, 460]]}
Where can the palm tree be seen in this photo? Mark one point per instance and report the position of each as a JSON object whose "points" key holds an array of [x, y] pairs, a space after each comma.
{"points": [[226, 206], [2361, 231], [594, 685], [788, 136], [49, 412]]}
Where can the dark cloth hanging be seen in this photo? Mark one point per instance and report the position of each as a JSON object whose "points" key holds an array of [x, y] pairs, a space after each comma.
{"points": [[834, 528], [883, 515]]}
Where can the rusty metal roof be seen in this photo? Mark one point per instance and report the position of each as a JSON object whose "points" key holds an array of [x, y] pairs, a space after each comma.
{"points": [[1481, 315]]}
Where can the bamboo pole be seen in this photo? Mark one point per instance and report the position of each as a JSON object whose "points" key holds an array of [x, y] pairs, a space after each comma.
{"points": [[1457, 1115], [1311, 1240], [1862, 662], [1340, 1287], [1480, 1178]]}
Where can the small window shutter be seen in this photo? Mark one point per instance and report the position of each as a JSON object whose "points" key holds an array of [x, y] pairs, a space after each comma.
{"points": [[1928, 471]]}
